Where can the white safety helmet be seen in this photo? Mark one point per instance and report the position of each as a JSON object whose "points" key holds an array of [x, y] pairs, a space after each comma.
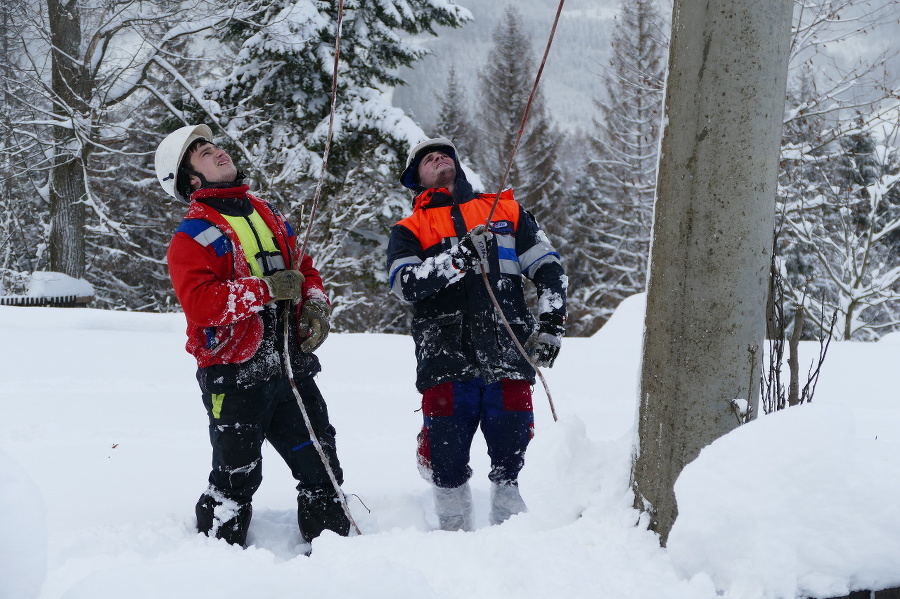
{"points": [[408, 178], [171, 151]]}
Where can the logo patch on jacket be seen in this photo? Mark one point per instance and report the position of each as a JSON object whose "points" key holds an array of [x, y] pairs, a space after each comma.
{"points": [[501, 227]]}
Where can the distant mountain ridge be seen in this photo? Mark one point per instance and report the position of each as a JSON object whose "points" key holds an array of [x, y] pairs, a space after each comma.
{"points": [[571, 80]]}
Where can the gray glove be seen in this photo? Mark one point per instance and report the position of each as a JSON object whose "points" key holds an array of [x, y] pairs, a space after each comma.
{"points": [[285, 285], [314, 324], [471, 248], [545, 341]]}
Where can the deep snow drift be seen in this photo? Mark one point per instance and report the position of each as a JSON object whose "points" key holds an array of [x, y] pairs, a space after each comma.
{"points": [[103, 452]]}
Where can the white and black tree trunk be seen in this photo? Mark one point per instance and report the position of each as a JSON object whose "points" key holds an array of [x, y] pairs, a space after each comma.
{"points": [[712, 236]]}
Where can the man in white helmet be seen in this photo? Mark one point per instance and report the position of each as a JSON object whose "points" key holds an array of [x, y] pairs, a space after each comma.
{"points": [[235, 268], [469, 370]]}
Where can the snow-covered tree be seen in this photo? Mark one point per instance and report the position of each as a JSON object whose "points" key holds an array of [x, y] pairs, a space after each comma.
{"points": [[627, 138], [843, 235], [594, 288], [22, 217], [274, 101], [837, 172], [351, 251], [79, 68], [454, 120]]}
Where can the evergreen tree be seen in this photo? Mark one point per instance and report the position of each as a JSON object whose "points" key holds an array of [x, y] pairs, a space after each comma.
{"points": [[275, 102], [454, 121], [627, 139], [505, 85], [835, 227], [593, 283], [350, 253]]}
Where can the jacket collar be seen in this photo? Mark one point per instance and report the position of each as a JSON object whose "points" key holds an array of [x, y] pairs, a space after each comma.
{"points": [[230, 201], [236, 191], [441, 196], [433, 198]]}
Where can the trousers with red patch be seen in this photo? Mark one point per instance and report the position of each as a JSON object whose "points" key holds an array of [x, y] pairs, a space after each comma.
{"points": [[453, 411]]}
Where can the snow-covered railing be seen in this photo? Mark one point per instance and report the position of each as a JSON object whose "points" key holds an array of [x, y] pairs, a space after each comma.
{"points": [[61, 301], [51, 289]]}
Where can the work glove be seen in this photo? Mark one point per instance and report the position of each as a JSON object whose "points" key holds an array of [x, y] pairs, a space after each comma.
{"points": [[285, 285], [471, 248], [544, 343], [314, 324]]}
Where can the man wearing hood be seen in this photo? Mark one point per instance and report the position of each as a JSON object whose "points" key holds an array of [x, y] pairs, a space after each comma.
{"points": [[237, 272], [469, 370]]}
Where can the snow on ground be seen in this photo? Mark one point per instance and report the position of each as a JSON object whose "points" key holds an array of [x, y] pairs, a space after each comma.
{"points": [[103, 452]]}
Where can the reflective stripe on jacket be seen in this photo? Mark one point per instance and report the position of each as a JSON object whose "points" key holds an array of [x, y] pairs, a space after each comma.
{"points": [[457, 333], [221, 299]]}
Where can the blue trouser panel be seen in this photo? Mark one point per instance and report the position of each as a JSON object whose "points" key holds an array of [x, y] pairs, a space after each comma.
{"points": [[453, 412], [241, 419]]}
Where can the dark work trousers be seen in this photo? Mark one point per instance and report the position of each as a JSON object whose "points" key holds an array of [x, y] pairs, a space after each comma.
{"points": [[452, 414], [240, 419]]}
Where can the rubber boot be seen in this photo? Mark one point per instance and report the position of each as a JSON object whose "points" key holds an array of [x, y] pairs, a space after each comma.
{"points": [[454, 508], [223, 518], [319, 510], [505, 502]]}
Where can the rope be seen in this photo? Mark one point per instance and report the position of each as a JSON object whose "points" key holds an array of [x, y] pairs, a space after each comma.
{"points": [[534, 88], [312, 215], [518, 345], [487, 222], [312, 433], [334, 79]]}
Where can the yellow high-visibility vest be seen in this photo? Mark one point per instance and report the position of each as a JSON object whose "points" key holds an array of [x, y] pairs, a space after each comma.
{"points": [[262, 252]]}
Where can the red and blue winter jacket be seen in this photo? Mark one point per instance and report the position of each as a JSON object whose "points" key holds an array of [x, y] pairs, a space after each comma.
{"points": [[457, 333], [230, 319]]}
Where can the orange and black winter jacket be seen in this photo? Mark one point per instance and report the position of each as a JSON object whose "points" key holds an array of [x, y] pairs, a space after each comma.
{"points": [[457, 333]]}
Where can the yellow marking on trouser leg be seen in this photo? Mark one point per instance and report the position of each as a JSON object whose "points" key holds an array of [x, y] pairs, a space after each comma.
{"points": [[217, 399]]}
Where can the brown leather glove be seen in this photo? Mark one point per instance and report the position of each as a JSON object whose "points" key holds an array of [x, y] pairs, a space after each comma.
{"points": [[285, 285]]}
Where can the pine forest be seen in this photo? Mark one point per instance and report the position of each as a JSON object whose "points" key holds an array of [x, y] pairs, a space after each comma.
{"points": [[91, 87]]}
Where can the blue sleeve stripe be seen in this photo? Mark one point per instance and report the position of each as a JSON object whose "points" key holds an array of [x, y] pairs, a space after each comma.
{"points": [[206, 234], [222, 245], [548, 257], [505, 253], [193, 226], [400, 263]]}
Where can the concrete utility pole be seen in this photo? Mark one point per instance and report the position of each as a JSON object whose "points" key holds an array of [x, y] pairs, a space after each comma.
{"points": [[712, 235]]}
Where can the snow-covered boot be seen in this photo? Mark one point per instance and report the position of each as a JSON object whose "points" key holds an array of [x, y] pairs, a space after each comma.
{"points": [[319, 510], [505, 502], [454, 507], [223, 518]]}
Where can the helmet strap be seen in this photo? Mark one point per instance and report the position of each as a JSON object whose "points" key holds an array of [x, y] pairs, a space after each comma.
{"points": [[204, 184]]}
